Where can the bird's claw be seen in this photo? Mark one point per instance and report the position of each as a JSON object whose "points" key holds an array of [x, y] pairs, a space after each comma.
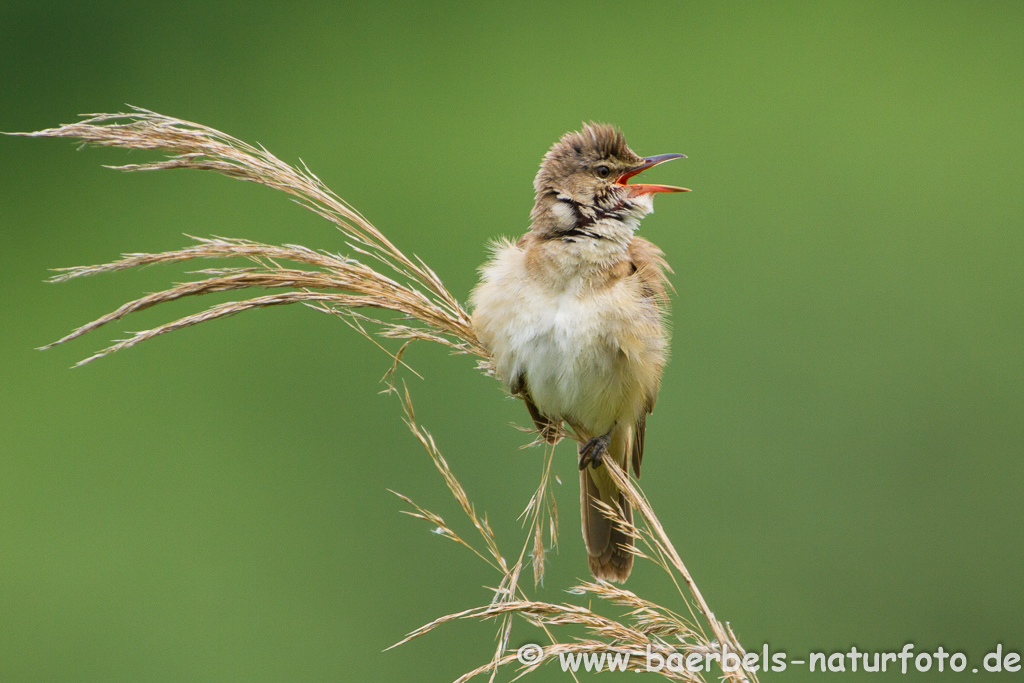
{"points": [[592, 452]]}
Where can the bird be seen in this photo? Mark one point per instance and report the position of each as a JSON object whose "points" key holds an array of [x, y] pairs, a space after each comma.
{"points": [[573, 315]]}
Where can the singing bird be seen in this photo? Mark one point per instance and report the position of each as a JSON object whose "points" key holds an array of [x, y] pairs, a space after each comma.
{"points": [[573, 317]]}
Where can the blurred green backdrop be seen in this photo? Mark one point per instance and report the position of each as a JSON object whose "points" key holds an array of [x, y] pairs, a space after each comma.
{"points": [[837, 449]]}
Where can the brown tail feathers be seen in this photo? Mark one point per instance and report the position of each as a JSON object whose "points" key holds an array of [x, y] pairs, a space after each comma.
{"points": [[608, 548]]}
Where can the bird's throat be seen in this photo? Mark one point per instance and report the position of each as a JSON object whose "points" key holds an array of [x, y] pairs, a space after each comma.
{"points": [[614, 219]]}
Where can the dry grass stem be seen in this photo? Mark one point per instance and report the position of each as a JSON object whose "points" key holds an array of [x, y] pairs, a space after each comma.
{"points": [[413, 289], [380, 277]]}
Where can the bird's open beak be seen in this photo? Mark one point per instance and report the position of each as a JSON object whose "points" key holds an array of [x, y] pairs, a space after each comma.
{"points": [[651, 189]]}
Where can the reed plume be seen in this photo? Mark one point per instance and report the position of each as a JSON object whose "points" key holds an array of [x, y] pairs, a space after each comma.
{"points": [[376, 277]]}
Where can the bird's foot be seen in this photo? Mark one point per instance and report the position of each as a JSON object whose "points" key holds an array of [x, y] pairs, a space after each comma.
{"points": [[592, 452]]}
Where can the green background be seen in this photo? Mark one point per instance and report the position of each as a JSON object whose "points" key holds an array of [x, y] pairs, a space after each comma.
{"points": [[837, 446]]}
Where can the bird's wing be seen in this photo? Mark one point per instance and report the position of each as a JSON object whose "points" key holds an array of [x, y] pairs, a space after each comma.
{"points": [[547, 427], [639, 429], [650, 268], [638, 444]]}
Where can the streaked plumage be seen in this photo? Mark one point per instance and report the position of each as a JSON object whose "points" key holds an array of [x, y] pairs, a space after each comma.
{"points": [[572, 315]]}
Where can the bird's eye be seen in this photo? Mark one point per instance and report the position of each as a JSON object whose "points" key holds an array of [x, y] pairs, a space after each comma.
{"points": [[603, 171]]}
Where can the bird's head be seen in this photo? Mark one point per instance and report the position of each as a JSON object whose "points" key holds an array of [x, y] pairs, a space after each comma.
{"points": [[583, 189]]}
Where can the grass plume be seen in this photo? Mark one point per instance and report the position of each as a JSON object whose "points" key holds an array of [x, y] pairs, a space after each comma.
{"points": [[377, 276]]}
